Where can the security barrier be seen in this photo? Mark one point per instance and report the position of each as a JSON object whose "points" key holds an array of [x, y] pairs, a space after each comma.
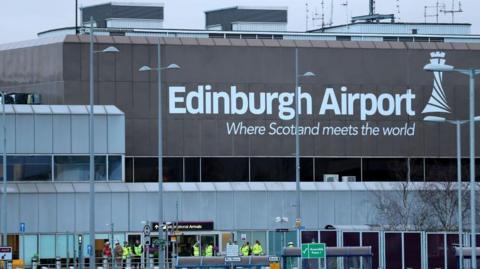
{"points": [[220, 262], [336, 257]]}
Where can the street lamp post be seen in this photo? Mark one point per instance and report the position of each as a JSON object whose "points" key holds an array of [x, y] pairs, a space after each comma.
{"points": [[471, 72], [458, 124], [158, 69], [91, 147], [4, 181], [298, 221]]}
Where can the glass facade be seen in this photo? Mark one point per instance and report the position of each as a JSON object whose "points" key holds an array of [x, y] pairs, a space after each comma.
{"points": [[265, 169], [231, 169], [386, 254], [61, 168]]}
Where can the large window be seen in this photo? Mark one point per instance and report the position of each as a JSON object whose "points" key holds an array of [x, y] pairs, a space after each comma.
{"points": [[272, 169], [416, 169], [192, 169], [393, 250], [440, 169], [146, 170], [115, 167], [384, 169], [29, 168], [224, 169], [172, 169], [343, 167], [76, 168], [128, 169], [306, 169]]}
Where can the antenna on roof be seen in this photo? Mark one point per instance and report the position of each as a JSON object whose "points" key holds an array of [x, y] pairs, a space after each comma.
{"points": [[398, 10], [315, 18], [436, 11], [330, 23], [306, 16], [452, 11], [323, 13], [345, 5], [373, 17]]}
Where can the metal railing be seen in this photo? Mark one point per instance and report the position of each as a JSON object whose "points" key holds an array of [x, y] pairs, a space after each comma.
{"points": [[100, 263]]}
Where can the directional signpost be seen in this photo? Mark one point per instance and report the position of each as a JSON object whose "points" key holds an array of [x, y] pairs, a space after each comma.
{"points": [[5, 253], [315, 251]]}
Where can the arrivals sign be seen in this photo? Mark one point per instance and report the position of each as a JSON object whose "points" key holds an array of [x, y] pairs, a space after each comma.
{"points": [[185, 226]]}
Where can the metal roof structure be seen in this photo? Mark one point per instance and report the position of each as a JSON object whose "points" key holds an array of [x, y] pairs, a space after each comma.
{"points": [[61, 109], [115, 10], [119, 187]]}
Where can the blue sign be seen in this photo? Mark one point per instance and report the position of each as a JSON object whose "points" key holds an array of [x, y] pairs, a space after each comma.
{"points": [[89, 250], [22, 227]]}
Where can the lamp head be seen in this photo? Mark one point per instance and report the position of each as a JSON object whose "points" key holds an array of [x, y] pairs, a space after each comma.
{"points": [[110, 49], [438, 67], [308, 74], [477, 118], [434, 119], [173, 66], [144, 68]]}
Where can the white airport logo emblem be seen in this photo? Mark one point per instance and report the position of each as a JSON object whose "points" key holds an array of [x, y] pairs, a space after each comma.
{"points": [[438, 100]]}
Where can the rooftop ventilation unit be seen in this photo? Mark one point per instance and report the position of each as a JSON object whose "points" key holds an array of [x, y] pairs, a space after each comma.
{"points": [[330, 177], [349, 178]]}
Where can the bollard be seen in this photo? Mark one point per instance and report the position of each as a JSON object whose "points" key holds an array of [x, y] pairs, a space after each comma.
{"points": [[129, 263], [34, 263], [150, 261], [105, 262], [58, 263]]}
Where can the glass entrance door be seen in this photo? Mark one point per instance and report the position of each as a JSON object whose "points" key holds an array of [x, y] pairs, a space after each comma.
{"points": [[185, 243], [209, 239]]}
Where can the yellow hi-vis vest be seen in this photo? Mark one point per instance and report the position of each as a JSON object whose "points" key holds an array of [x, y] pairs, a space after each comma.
{"points": [[257, 249], [126, 252], [209, 251], [138, 250], [196, 250], [245, 250]]}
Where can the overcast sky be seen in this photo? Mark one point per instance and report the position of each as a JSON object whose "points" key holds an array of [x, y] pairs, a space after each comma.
{"points": [[23, 19]]}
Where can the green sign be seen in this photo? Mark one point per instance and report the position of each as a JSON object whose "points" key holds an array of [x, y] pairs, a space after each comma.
{"points": [[314, 251]]}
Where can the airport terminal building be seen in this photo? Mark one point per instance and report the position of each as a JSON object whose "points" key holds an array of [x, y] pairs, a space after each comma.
{"points": [[229, 137]]}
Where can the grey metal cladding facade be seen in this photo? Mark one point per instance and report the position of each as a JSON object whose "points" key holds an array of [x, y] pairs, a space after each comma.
{"points": [[60, 73], [270, 69], [225, 17], [33, 68], [102, 12]]}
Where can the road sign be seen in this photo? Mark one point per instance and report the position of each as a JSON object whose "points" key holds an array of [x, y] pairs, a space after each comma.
{"points": [[232, 250], [22, 227], [313, 251], [5, 253], [243, 237], [233, 259], [273, 259], [146, 230]]}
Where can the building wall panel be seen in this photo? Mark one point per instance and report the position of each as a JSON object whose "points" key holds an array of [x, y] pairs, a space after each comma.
{"points": [[43, 134], [62, 134], [80, 133], [47, 213]]}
